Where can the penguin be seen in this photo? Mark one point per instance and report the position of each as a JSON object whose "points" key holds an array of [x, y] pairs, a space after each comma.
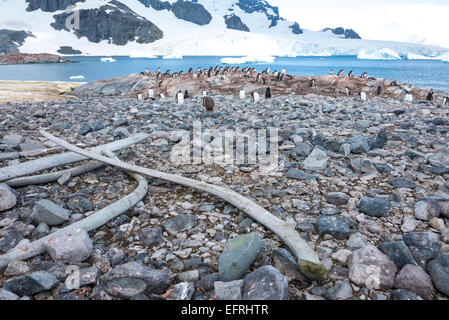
{"points": [[284, 71], [167, 73], [264, 82], [217, 72], [268, 94], [186, 94], [190, 71], [209, 73], [445, 101], [204, 93], [237, 69], [379, 90], [363, 96], [371, 78], [393, 83], [198, 69], [340, 72], [255, 97], [158, 69], [174, 75], [347, 91], [351, 74], [331, 72], [258, 78], [363, 76], [150, 93], [147, 71], [161, 96], [275, 73], [181, 72], [208, 103], [161, 84], [430, 96], [158, 75], [312, 83], [242, 94], [179, 99]]}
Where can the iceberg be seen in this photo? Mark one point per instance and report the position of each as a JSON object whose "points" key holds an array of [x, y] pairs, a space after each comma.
{"points": [[380, 54], [444, 57], [248, 59], [414, 56], [108, 60], [77, 78], [172, 56]]}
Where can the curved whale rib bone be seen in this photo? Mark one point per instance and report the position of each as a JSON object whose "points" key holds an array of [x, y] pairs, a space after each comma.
{"points": [[92, 222], [30, 167], [308, 261]]}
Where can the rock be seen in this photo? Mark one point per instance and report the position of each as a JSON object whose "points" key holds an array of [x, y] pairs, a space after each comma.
{"points": [[151, 236], [207, 281], [132, 278], [228, 290], [6, 295], [335, 226], [302, 149], [188, 276], [182, 291], [71, 247], [370, 268], [48, 212], [423, 246], [265, 283], [426, 210], [300, 175], [287, 265], [398, 252], [238, 255], [409, 224], [415, 279], [444, 209], [439, 272], [8, 199], [359, 144], [180, 223], [337, 198], [375, 207], [13, 140], [437, 224], [402, 183], [316, 161], [341, 291], [357, 241], [31, 284], [31, 145], [405, 295], [16, 268], [341, 255]]}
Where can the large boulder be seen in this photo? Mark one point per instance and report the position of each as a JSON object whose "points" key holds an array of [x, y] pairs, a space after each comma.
{"points": [[73, 246]]}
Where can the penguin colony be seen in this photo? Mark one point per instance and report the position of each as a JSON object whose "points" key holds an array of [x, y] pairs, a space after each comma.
{"points": [[260, 78]]}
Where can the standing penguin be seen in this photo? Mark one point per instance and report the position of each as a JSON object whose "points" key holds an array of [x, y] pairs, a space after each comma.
{"points": [[331, 72], [179, 97], [158, 69], [351, 74], [430, 96], [284, 71], [147, 71], [347, 91], [186, 94], [268, 93], [445, 101], [208, 103], [379, 90], [340, 72], [255, 97], [312, 83], [364, 75]]}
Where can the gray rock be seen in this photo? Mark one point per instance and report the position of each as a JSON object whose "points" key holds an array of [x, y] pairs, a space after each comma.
{"points": [[300, 175], [341, 291], [426, 210], [301, 150], [444, 209], [287, 265], [402, 183], [46, 211], [31, 145], [182, 291], [316, 161], [228, 290], [132, 278], [439, 272], [71, 247], [6, 295], [401, 294], [238, 255], [415, 279], [398, 252], [337, 198], [357, 241], [31, 284], [13, 140], [151, 236], [375, 207], [359, 144], [16, 268], [180, 223], [423, 246], [369, 267], [265, 283], [335, 226], [8, 199]]}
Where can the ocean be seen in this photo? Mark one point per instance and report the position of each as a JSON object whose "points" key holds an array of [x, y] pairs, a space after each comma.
{"points": [[422, 73]]}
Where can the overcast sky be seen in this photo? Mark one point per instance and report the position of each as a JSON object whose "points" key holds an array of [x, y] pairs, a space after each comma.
{"points": [[421, 21]]}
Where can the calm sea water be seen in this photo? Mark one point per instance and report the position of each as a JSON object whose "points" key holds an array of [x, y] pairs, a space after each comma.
{"points": [[422, 73]]}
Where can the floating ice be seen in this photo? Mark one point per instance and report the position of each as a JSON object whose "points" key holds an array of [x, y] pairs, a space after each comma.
{"points": [[77, 77], [172, 56], [444, 57], [379, 54], [108, 60]]}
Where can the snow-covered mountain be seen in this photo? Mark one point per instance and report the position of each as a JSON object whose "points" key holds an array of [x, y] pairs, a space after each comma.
{"points": [[176, 28]]}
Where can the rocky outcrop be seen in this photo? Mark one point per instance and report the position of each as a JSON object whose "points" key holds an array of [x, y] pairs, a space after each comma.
{"points": [[347, 33], [250, 6], [186, 10], [114, 22], [68, 50], [296, 29], [234, 22], [50, 5], [24, 58], [11, 40]]}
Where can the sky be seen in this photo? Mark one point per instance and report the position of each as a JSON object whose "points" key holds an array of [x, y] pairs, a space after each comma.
{"points": [[419, 21]]}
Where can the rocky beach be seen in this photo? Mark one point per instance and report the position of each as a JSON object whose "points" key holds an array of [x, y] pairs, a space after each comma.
{"points": [[363, 178]]}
